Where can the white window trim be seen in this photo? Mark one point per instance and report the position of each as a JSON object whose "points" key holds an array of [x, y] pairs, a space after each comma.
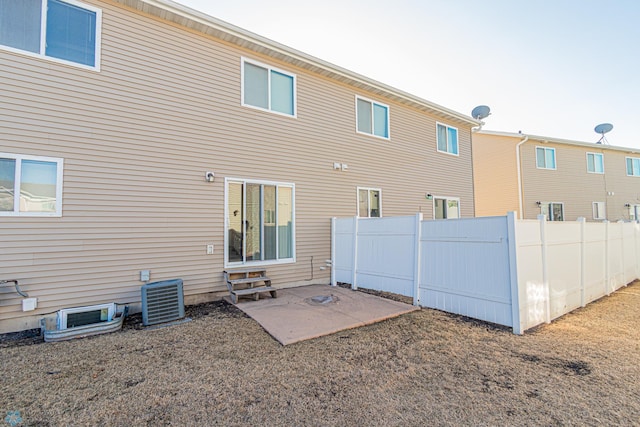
{"points": [[269, 68], [547, 213], [388, 137], [64, 313], [245, 181], [446, 198], [593, 209], [43, 36], [447, 133], [16, 198], [594, 162], [368, 189], [554, 158], [625, 166]]}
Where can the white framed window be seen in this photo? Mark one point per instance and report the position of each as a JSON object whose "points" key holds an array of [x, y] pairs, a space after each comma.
{"points": [[447, 139], [553, 210], [372, 118], [260, 222], [545, 158], [599, 210], [446, 207], [633, 166], [268, 88], [30, 186], [81, 316], [634, 212], [369, 202], [595, 163], [61, 30]]}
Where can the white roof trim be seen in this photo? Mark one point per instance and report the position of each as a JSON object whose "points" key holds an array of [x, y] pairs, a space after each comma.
{"points": [[198, 21], [545, 139]]}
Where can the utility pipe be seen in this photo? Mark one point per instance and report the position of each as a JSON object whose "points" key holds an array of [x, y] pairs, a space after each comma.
{"points": [[521, 214]]}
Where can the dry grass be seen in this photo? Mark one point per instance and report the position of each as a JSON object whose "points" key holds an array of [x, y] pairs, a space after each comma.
{"points": [[424, 368]]}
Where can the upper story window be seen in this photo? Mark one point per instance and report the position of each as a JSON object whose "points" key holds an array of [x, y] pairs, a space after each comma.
{"points": [[545, 158], [30, 186], [595, 163], [269, 89], [63, 30], [369, 203], [633, 166], [372, 118], [447, 139]]}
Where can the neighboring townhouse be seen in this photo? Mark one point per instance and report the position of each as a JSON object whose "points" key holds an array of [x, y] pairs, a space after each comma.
{"points": [[562, 179], [143, 135]]}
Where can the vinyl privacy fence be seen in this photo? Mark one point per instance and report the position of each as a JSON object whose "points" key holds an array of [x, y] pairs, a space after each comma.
{"points": [[517, 273]]}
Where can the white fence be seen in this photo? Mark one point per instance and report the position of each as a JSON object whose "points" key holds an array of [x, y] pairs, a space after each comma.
{"points": [[518, 273]]}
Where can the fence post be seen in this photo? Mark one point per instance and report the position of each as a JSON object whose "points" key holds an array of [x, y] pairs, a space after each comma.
{"points": [[417, 260], [624, 271], [545, 274], [583, 257], [333, 252], [354, 275], [607, 279], [513, 273]]}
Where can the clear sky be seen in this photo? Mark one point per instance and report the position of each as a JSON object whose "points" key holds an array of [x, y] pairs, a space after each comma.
{"points": [[555, 68]]}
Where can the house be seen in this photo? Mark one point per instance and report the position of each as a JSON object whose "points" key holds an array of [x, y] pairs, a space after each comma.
{"points": [[147, 136], [562, 179]]}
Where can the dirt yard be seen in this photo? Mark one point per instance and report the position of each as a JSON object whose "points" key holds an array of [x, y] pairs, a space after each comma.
{"points": [[424, 368]]}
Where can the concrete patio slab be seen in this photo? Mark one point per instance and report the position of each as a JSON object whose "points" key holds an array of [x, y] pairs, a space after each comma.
{"points": [[307, 312]]}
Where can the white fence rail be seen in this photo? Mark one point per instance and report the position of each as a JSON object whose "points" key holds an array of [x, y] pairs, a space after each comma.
{"points": [[517, 273]]}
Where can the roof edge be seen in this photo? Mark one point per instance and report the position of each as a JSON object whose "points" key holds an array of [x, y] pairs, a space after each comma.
{"points": [[546, 139]]}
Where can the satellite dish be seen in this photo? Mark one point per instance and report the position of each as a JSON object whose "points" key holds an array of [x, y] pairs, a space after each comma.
{"points": [[602, 129], [480, 112]]}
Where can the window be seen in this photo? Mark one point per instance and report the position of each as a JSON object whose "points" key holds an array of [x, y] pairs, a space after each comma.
{"points": [[369, 202], [372, 118], [595, 163], [30, 186], [553, 210], [268, 89], [634, 212], [64, 30], [260, 222], [633, 166], [447, 139], [446, 208], [599, 211], [545, 158]]}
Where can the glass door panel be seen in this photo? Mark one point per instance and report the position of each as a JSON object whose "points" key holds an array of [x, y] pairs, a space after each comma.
{"points": [[269, 215], [236, 221], [253, 229]]}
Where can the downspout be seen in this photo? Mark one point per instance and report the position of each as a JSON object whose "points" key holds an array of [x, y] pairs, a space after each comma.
{"points": [[521, 214]]}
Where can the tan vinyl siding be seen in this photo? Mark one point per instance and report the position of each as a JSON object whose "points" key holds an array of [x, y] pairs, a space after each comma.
{"points": [[137, 138], [495, 175], [569, 183]]}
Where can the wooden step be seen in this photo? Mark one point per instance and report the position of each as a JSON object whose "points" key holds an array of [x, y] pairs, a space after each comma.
{"points": [[246, 270], [252, 291], [248, 280]]}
